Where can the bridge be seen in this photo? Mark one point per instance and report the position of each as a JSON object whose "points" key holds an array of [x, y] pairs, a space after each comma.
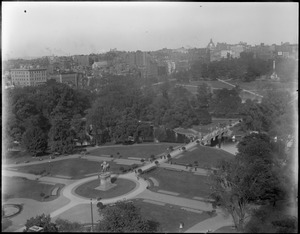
{"points": [[207, 139], [216, 135]]}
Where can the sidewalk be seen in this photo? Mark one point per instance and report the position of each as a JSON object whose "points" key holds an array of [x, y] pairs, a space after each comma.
{"points": [[183, 168], [37, 177], [173, 200], [211, 224]]}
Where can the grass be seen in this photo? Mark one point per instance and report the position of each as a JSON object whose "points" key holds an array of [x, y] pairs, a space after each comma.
{"points": [[169, 216], [205, 155], [226, 229], [213, 84], [137, 151], [185, 183], [18, 187], [88, 189], [75, 168]]}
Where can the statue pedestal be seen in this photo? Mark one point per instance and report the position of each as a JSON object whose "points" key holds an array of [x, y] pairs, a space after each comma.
{"points": [[105, 182]]}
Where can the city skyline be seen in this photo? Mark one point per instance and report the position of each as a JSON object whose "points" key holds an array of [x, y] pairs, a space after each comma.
{"points": [[32, 29]]}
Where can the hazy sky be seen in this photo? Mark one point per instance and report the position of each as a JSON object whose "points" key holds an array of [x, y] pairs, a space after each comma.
{"points": [[67, 28]]}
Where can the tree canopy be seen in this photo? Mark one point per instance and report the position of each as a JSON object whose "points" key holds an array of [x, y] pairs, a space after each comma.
{"points": [[124, 217]]}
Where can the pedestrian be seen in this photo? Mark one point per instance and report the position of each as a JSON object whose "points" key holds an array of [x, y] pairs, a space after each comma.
{"points": [[161, 157], [135, 171]]}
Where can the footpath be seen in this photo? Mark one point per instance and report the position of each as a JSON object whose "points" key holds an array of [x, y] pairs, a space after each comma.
{"points": [[140, 191]]}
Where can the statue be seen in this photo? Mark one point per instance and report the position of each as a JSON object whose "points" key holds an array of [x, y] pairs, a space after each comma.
{"points": [[105, 166], [105, 178]]}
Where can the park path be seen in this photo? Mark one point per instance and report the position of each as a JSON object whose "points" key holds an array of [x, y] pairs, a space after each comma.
{"points": [[139, 192], [211, 224], [175, 200], [245, 90]]}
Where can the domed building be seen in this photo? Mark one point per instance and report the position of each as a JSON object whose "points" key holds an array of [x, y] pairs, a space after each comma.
{"points": [[211, 45]]}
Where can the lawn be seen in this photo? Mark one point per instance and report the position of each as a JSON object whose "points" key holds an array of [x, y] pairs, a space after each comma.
{"points": [[205, 156], [185, 183], [19, 187], [170, 217], [88, 189], [75, 168], [214, 84], [226, 229], [136, 151]]}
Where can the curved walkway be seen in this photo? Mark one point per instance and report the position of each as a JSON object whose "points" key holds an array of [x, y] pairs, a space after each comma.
{"points": [[140, 191]]}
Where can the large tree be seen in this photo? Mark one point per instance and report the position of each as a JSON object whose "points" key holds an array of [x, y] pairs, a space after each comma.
{"points": [[124, 217], [237, 185], [61, 137], [35, 140], [225, 103], [43, 221]]}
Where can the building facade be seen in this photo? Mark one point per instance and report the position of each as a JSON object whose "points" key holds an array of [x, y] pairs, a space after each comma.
{"points": [[28, 76], [73, 79]]}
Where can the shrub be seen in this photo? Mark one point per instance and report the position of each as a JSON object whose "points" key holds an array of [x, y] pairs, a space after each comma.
{"points": [[111, 155], [285, 225], [142, 160], [140, 171], [183, 148], [156, 162], [100, 205], [42, 194], [133, 166], [152, 157]]}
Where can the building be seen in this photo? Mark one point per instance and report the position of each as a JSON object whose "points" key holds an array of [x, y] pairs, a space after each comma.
{"points": [[100, 65], [73, 79], [82, 60], [141, 58], [28, 76], [237, 50]]}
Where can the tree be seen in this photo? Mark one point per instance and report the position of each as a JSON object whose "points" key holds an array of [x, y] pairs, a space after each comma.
{"points": [[255, 146], [43, 221], [64, 225], [125, 217], [35, 140], [61, 138], [203, 95], [225, 103], [235, 186]]}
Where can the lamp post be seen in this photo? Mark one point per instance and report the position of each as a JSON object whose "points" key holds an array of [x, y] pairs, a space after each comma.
{"points": [[92, 229]]}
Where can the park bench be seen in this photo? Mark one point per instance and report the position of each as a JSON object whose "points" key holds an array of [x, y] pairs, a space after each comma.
{"points": [[55, 191]]}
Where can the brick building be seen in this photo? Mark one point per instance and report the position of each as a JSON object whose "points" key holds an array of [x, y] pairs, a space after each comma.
{"points": [[28, 76]]}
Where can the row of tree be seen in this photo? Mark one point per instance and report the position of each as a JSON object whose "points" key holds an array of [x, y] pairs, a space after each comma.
{"points": [[46, 116], [55, 116], [246, 68]]}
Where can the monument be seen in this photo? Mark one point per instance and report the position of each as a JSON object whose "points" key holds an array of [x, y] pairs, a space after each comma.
{"points": [[105, 178]]}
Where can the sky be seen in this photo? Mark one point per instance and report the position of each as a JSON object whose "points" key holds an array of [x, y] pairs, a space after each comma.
{"points": [[34, 29]]}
